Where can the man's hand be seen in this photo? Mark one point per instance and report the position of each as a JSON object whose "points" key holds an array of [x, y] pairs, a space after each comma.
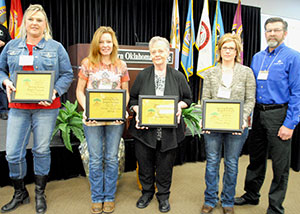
{"points": [[285, 133]]}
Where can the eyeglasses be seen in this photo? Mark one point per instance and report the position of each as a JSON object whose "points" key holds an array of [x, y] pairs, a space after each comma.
{"points": [[274, 30], [231, 49]]}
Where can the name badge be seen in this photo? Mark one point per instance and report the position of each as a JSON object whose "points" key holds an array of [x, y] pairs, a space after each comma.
{"points": [[25, 60], [224, 92], [263, 75]]}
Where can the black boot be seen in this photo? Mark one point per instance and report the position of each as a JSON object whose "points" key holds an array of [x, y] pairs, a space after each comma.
{"points": [[21, 196], [40, 198]]}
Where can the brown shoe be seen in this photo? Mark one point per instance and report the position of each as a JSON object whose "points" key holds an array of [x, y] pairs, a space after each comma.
{"points": [[109, 207], [206, 209], [228, 210], [96, 208]]}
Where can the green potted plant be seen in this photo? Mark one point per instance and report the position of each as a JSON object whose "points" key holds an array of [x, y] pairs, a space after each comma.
{"points": [[69, 121], [192, 117]]}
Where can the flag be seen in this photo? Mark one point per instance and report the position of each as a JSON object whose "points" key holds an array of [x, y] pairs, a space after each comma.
{"points": [[15, 19], [175, 32], [218, 32], [187, 52], [203, 41], [3, 19], [237, 26]]}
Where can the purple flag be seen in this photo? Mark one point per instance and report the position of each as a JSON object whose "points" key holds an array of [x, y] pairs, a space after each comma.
{"points": [[237, 27]]}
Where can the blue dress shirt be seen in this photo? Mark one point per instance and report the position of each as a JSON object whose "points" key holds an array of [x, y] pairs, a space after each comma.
{"points": [[283, 82]]}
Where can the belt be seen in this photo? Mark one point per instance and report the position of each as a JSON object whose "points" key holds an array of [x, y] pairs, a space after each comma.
{"points": [[266, 107]]}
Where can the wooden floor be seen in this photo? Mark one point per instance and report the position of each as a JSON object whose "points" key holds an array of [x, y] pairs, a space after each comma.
{"points": [[73, 196]]}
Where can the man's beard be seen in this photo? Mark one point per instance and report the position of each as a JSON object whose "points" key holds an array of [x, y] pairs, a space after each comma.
{"points": [[273, 43]]}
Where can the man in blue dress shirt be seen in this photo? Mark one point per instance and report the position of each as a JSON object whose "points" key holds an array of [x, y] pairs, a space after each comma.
{"points": [[276, 114]]}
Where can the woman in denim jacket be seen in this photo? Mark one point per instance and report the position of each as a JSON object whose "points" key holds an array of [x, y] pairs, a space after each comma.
{"points": [[34, 51]]}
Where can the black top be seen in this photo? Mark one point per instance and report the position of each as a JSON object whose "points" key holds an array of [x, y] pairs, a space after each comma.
{"points": [[175, 85], [4, 36]]}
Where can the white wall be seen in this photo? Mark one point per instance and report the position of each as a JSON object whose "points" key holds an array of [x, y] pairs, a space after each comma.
{"points": [[292, 38], [283, 8], [289, 10]]}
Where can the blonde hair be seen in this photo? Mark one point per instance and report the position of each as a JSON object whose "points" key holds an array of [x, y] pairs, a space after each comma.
{"points": [[229, 37], [94, 56], [33, 8]]}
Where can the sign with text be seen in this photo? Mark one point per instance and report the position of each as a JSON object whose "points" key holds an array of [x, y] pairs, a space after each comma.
{"points": [[105, 105], [33, 86], [139, 56], [158, 111], [222, 115]]}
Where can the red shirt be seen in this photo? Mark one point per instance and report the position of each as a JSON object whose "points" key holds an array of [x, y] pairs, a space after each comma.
{"points": [[55, 103]]}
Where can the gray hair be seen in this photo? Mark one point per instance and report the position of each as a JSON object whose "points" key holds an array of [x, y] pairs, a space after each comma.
{"points": [[277, 19], [33, 8], [159, 39]]}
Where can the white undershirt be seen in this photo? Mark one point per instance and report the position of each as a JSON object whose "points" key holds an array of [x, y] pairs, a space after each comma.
{"points": [[227, 74]]}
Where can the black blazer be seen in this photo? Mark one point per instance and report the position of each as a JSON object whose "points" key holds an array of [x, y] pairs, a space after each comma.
{"points": [[176, 85]]}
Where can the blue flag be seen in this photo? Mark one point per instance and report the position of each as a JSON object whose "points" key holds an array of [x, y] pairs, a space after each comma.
{"points": [[217, 33], [187, 53], [3, 19]]}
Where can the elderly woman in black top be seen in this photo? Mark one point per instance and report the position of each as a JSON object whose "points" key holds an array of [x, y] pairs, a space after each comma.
{"points": [[155, 148]]}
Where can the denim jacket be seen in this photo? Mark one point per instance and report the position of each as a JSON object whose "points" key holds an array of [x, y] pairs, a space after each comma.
{"points": [[48, 56]]}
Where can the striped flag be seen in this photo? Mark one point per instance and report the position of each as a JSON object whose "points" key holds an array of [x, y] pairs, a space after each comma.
{"points": [[218, 32], [203, 41], [187, 52], [175, 33], [15, 19], [237, 27], [3, 19]]}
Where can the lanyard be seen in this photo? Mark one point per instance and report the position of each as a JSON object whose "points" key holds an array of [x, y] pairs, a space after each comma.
{"points": [[271, 62]]}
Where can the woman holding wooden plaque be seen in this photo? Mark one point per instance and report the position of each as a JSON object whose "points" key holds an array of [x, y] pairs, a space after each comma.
{"points": [[46, 75], [102, 69], [228, 81], [155, 148]]}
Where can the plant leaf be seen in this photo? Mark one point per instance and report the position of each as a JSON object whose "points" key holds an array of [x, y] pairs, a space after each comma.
{"points": [[66, 138], [69, 119], [75, 121], [190, 126], [192, 117], [79, 134], [187, 111], [54, 132]]}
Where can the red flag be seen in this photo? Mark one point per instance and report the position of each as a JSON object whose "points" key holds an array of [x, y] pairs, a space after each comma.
{"points": [[237, 27], [15, 19]]}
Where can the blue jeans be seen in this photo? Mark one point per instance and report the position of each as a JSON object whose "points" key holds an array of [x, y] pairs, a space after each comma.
{"points": [[103, 164], [233, 145], [20, 123]]}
